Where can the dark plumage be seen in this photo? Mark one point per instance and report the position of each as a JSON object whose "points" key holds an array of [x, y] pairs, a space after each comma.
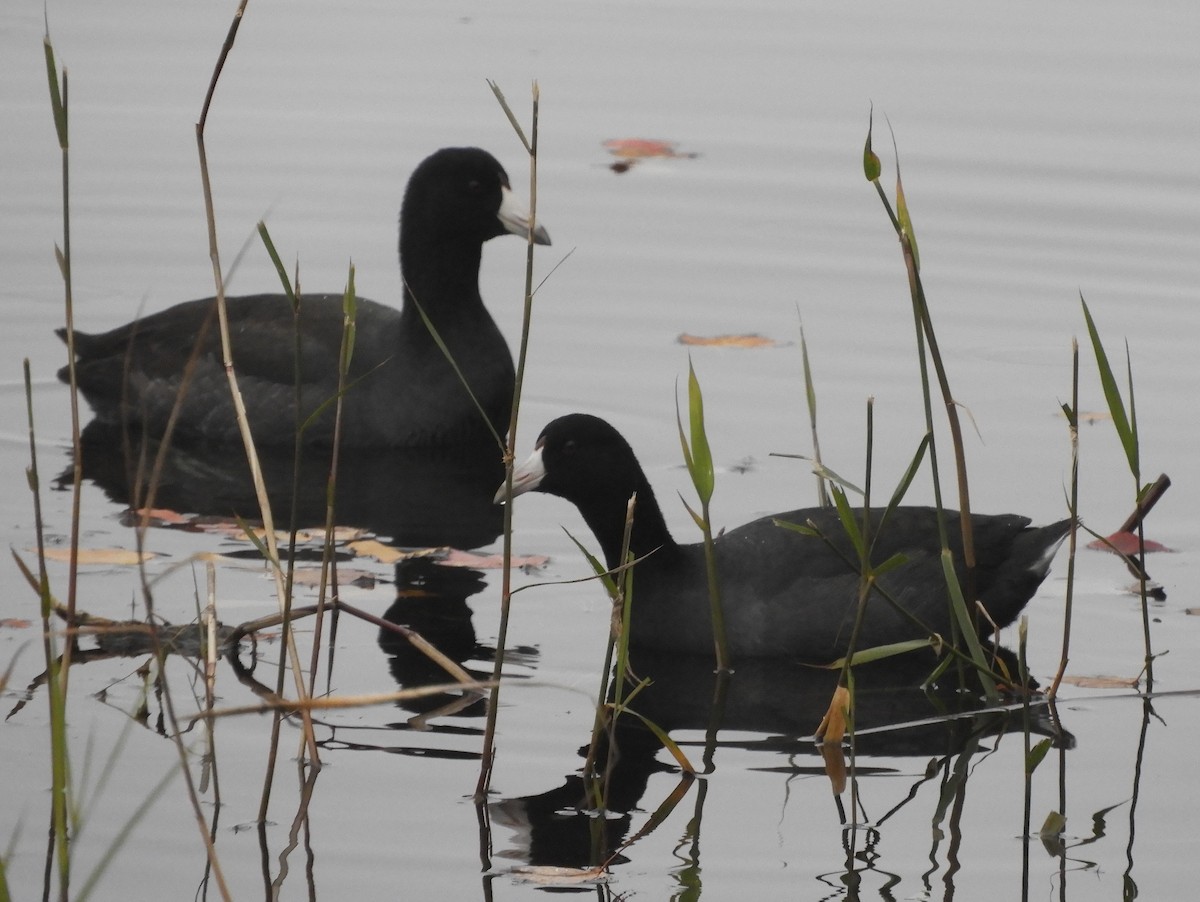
{"points": [[404, 392], [784, 593]]}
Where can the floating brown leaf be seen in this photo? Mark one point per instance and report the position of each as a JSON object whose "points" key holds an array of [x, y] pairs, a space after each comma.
{"points": [[630, 150], [549, 875], [641, 148], [119, 556], [728, 341], [1101, 682], [159, 516], [387, 554]]}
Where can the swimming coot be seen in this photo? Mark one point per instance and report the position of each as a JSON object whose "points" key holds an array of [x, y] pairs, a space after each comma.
{"points": [[783, 593], [403, 392]]}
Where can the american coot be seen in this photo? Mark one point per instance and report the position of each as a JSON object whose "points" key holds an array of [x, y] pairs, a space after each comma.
{"points": [[404, 392], [783, 593]]}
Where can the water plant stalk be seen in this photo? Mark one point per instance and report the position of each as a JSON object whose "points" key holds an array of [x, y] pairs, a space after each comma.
{"points": [[810, 396], [531, 148], [1126, 426], [1071, 411], [57, 669], [698, 456], [962, 618]]}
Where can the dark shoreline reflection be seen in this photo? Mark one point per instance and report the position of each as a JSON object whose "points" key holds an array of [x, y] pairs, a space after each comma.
{"points": [[772, 707], [416, 498]]}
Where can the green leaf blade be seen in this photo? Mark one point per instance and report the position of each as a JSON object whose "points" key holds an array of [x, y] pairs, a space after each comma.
{"points": [[701, 466], [1112, 393]]}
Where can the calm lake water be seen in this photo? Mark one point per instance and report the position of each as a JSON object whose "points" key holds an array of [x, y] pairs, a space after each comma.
{"points": [[1046, 153]]}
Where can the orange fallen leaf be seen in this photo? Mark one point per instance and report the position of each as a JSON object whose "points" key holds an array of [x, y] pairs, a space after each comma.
{"points": [[640, 148], [1126, 543], [631, 150], [13, 623], [728, 341]]}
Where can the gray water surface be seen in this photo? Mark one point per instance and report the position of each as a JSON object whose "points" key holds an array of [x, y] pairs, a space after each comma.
{"points": [[1045, 152]]}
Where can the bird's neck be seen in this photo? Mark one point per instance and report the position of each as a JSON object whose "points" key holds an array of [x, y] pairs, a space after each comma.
{"points": [[648, 535], [440, 274]]}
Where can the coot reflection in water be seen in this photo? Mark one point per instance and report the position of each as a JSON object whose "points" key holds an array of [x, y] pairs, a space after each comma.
{"points": [[414, 497], [431, 600], [770, 708]]}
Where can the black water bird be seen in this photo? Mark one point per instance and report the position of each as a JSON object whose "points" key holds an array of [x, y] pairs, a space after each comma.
{"points": [[784, 593], [403, 392]]}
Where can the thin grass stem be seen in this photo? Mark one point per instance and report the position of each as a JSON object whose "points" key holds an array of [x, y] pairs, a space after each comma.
{"points": [[1072, 414], [489, 738]]}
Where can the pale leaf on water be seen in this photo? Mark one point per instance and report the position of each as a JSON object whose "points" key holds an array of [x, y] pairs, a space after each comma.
{"points": [[124, 557], [1101, 682], [387, 554], [547, 875]]}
